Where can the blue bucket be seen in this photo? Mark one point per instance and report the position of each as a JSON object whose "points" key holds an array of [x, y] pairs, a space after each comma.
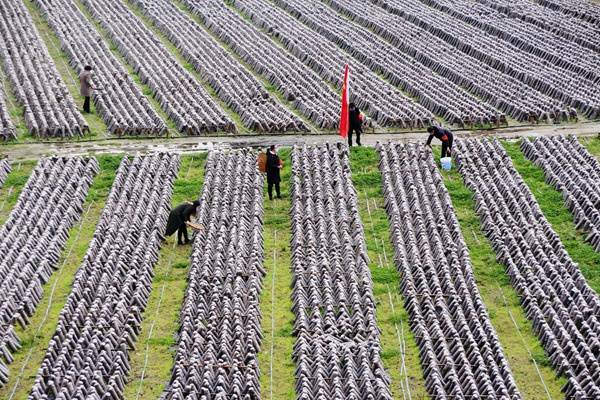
{"points": [[446, 163]]}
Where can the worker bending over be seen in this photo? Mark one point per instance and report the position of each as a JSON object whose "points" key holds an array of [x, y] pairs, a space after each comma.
{"points": [[178, 217], [444, 135]]}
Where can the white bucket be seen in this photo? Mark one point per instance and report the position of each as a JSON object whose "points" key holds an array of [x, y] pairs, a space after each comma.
{"points": [[446, 163]]}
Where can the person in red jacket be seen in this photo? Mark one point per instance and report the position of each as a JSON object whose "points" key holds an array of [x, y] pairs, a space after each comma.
{"points": [[444, 135]]}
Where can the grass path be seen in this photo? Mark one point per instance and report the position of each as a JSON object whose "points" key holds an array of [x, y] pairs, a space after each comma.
{"points": [[397, 341], [592, 145], [14, 183], [97, 126], [68, 265], [552, 205], [168, 290], [493, 284], [277, 367]]}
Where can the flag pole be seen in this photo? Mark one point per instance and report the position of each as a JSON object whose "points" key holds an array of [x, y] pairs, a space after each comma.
{"points": [[344, 118]]}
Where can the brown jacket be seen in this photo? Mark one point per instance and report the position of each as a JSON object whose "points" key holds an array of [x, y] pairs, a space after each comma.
{"points": [[86, 83]]}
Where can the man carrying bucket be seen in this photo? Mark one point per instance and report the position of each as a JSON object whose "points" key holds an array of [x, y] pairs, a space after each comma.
{"points": [[444, 135]]}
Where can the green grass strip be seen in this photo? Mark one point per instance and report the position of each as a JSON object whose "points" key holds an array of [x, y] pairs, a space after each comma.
{"points": [[15, 181], [552, 205], [67, 73], [172, 270], [492, 283], [276, 365], [98, 193], [367, 181], [592, 145]]}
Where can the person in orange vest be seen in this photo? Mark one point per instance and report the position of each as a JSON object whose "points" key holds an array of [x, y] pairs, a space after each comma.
{"points": [[444, 135], [274, 166], [355, 123]]}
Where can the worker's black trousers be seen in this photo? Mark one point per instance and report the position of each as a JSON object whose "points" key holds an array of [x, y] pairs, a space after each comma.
{"points": [[182, 232], [358, 131], [277, 190], [86, 104], [447, 144]]}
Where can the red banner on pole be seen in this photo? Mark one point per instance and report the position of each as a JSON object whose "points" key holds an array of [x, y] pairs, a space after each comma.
{"points": [[344, 119]]}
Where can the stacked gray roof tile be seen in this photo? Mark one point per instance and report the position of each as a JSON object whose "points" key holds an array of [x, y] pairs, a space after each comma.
{"points": [[32, 240], [561, 306], [5, 169], [337, 350], [395, 20], [121, 103], [387, 105], [573, 171], [459, 348], [49, 108], [232, 81], [298, 84], [181, 96], [220, 319], [88, 355]]}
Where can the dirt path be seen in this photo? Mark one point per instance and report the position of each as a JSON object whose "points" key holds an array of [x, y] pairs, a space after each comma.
{"points": [[200, 144]]}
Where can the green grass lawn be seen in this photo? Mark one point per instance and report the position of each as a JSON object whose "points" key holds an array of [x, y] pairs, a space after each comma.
{"points": [[391, 316], [552, 205], [168, 289], [494, 287], [276, 365], [277, 368], [9, 194], [36, 336]]}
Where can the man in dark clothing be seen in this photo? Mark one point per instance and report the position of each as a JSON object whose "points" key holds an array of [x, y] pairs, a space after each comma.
{"points": [[444, 135], [85, 79], [355, 123], [274, 165], [178, 218]]}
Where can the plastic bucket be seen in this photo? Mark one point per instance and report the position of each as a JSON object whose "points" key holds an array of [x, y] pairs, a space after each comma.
{"points": [[446, 163]]}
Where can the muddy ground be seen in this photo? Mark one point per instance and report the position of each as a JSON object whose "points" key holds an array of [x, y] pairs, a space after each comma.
{"points": [[33, 150]]}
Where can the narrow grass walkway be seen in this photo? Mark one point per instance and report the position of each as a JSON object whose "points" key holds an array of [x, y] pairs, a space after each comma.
{"points": [[276, 365], [270, 88], [494, 287], [67, 73], [552, 205], [400, 352], [153, 358], [175, 52], [15, 110], [37, 335], [14, 183], [592, 145]]}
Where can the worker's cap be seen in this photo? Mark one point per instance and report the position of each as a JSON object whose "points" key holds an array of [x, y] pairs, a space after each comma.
{"points": [[351, 105]]}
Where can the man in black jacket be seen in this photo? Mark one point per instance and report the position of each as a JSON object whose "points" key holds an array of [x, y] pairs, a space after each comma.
{"points": [[178, 218], [444, 135], [273, 171], [355, 123]]}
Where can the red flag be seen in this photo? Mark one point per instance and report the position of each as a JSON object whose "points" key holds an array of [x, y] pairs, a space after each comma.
{"points": [[344, 119]]}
